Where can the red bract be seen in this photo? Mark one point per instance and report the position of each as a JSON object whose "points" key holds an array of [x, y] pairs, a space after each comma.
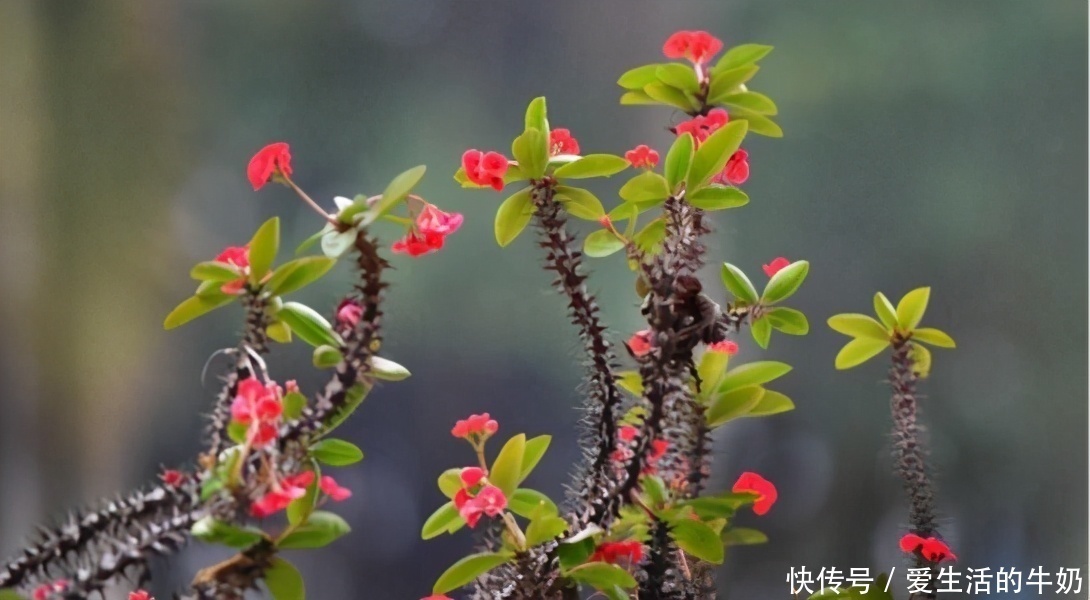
{"points": [[696, 46], [485, 168], [44, 591], [417, 244], [271, 162], [640, 343], [932, 549], [774, 267], [561, 142], [736, 171], [489, 501], [471, 476], [172, 477], [140, 595], [627, 433], [725, 347], [349, 312], [754, 483], [258, 406], [433, 220], [333, 490], [280, 497], [239, 258], [642, 156], [615, 552], [475, 426], [702, 126]]}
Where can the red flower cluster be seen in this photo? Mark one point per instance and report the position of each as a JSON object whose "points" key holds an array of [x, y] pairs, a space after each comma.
{"points": [[349, 313], [429, 231], [270, 163], [642, 156], [754, 483], [485, 168], [696, 46], [702, 126], [486, 500], [259, 407], [475, 428], [775, 266], [329, 487], [282, 494], [640, 343], [726, 347], [46, 590], [615, 552], [626, 435], [932, 549], [239, 258], [561, 142], [172, 477], [737, 170], [140, 595]]}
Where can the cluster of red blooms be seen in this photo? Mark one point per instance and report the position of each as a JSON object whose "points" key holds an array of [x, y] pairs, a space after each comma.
{"points": [[285, 490], [259, 407], [755, 484], [775, 266], [46, 590], [478, 497], [696, 46], [736, 172], [628, 434], [488, 168], [239, 258], [642, 157], [629, 551], [271, 163], [561, 142], [932, 549], [475, 428], [429, 231]]}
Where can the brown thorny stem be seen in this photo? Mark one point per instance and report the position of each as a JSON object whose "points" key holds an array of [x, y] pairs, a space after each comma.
{"points": [[909, 453]]}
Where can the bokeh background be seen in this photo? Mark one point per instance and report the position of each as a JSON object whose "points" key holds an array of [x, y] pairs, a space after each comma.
{"points": [[936, 143]]}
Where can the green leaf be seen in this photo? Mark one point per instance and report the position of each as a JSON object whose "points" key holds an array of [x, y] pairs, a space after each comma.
{"points": [[531, 151], [885, 311], [326, 357], [726, 82], [921, 359], [294, 402], [301, 508], [785, 282], [678, 160], [732, 404], [717, 197], [355, 397], [761, 329], [396, 191], [573, 554], [310, 326], [450, 481], [630, 381], [858, 325], [214, 270], [537, 115], [388, 370], [318, 531], [635, 79], [772, 403], [911, 308], [935, 337], [195, 306], [678, 75], [741, 55], [526, 502], [237, 432], [544, 528], [507, 468], [513, 174], [711, 367], [580, 203], [513, 216], [697, 539], [313, 239], [602, 242], [335, 243], [738, 284], [650, 238], [742, 536], [754, 373], [720, 506], [645, 187], [10, 595], [468, 569], [788, 320], [531, 455], [213, 531], [297, 274], [278, 332], [668, 94], [752, 101], [284, 581], [654, 488], [636, 97], [759, 124], [263, 248], [858, 351], [592, 165], [601, 575], [714, 152], [336, 453], [439, 521]]}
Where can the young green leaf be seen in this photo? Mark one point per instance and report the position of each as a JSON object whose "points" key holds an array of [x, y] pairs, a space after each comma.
{"points": [[630, 381], [573, 554], [772, 403], [507, 467], [678, 160], [396, 191], [711, 368], [645, 187], [439, 521], [732, 404], [785, 282], [318, 531], [263, 248], [635, 79], [788, 320], [678, 75], [544, 528], [859, 325], [214, 270], [602, 242], [714, 152], [761, 329], [297, 274], [600, 575], [650, 238], [742, 536], [294, 403], [738, 284], [301, 508], [450, 481], [935, 337], [741, 55], [335, 243], [388, 370], [279, 332], [725, 83], [310, 326], [670, 95], [531, 455], [214, 531], [752, 101], [526, 503], [754, 373], [592, 165], [284, 581], [531, 151], [513, 216], [326, 357], [759, 124], [885, 311], [336, 453], [921, 359], [911, 308], [717, 197], [636, 97], [697, 539], [580, 203], [537, 116], [467, 569], [858, 351], [195, 306]]}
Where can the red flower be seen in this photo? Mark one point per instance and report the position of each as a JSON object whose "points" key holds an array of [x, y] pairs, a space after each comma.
{"points": [[640, 343], [260, 407], [349, 312], [46, 590], [418, 244], [485, 168], [561, 142], [658, 450], [932, 549], [736, 172], [334, 491], [702, 126], [172, 477], [471, 476], [774, 267], [140, 595], [281, 496], [627, 433], [433, 220], [489, 501], [697, 46], [754, 483], [642, 156], [239, 258], [726, 347], [271, 162], [479, 426], [615, 552]]}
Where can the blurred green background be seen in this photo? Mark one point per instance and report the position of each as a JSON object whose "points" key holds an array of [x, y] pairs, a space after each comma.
{"points": [[927, 143]]}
